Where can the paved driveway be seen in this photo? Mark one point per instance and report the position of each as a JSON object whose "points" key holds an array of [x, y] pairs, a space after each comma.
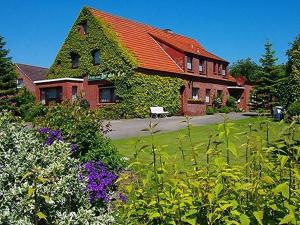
{"points": [[126, 128]]}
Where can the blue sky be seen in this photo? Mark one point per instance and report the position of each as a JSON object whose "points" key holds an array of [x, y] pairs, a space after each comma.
{"points": [[34, 30]]}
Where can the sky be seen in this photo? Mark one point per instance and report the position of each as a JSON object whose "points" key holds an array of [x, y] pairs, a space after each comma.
{"points": [[34, 30]]}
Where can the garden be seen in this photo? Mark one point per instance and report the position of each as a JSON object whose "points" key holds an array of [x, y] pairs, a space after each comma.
{"points": [[58, 167]]}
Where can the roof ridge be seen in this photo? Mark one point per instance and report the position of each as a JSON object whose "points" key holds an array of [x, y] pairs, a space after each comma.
{"points": [[141, 23], [31, 65]]}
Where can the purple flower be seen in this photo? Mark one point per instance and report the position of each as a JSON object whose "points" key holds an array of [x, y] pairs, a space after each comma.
{"points": [[123, 198], [44, 130], [53, 135], [99, 181], [73, 148]]}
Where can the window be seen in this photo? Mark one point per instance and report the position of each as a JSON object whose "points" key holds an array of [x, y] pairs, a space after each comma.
{"points": [[215, 67], [189, 63], [75, 60], [83, 28], [223, 70], [219, 68], [20, 83], [195, 93], [207, 95], [96, 57], [74, 93], [107, 94], [49, 95], [58, 63], [201, 65]]}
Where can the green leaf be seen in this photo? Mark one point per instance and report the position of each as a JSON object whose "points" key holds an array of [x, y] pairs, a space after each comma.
{"points": [[154, 215], [283, 189], [259, 215], [189, 221], [218, 188], [283, 160], [26, 175], [244, 219], [210, 197], [30, 191], [268, 180], [41, 215], [287, 219], [232, 148]]}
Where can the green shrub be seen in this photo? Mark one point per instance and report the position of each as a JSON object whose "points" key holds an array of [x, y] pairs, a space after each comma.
{"points": [[41, 181], [224, 109], [294, 109], [84, 103], [110, 112], [210, 110], [82, 127], [231, 102]]}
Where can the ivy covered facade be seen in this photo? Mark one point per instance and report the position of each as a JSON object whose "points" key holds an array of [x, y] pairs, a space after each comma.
{"points": [[127, 66]]}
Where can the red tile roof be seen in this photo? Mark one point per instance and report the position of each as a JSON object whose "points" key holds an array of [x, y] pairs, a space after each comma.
{"points": [[139, 39]]}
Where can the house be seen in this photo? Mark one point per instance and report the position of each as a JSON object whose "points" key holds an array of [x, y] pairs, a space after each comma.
{"points": [[28, 74], [101, 47]]}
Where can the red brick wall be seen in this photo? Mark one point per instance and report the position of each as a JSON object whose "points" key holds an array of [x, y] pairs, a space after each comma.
{"points": [[193, 109], [66, 87], [28, 84]]}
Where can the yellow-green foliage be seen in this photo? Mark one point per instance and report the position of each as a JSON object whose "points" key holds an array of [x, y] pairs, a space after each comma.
{"points": [[141, 91], [115, 59]]}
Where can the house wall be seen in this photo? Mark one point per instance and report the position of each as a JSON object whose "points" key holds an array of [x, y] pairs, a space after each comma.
{"points": [[91, 92], [66, 88], [28, 84], [191, 108]]}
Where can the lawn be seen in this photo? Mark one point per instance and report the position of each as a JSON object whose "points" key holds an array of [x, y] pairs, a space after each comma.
{"points": [[171, 143]]}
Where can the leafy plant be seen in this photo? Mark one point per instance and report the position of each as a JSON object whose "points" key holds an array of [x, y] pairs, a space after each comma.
{"points": [[262, 190], [210, 110], [39, 180], [82, 127], [294, 109]]}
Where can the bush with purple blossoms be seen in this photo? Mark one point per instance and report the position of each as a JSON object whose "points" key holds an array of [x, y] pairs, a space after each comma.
{"points": [[83, 128], [39, 180]]}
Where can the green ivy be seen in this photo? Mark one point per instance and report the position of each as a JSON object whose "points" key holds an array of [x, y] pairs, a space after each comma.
{"points": [[136, 91], [115, 59], [142, 91]]}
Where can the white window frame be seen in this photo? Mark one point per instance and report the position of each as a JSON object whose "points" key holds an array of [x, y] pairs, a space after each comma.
{"points": [[195, 97], [189, 65], [20, 85]]}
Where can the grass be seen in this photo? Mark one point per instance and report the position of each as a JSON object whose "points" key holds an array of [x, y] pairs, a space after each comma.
{"points": [[170, 143]]}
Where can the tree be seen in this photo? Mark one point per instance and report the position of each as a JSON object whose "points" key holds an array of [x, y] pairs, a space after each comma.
{"points": [[245, 67], [8, 77], [289, 87], [265, 91]]}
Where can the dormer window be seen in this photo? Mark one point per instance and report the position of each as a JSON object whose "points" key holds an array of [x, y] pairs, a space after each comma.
{"points": [[96, 57], [215, 67], [75, 60], [219, 68], [201, 65], [83, 28], [223, 70], [189, 63]]}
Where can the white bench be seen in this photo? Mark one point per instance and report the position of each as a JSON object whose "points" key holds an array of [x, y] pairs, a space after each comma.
{"points": [[158, 111]]}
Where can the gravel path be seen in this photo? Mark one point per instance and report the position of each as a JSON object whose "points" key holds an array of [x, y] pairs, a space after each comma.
{"points": [[126, 128]]}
